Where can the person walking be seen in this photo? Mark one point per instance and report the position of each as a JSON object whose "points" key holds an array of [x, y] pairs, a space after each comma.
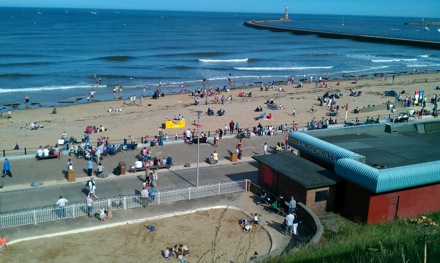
{"points": [[240, 149], [61, 203], [265, 148], [91, 185], [89, 203], [6, 168], [217, 139], [89, 167]]}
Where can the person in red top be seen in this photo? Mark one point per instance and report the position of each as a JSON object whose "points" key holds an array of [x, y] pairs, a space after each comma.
{"points": [[231, 127], [3, 242]]}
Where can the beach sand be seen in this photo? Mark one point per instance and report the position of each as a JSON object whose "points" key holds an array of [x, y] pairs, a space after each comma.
{"points": [[139, 121], [217, 237], [214, 239]]}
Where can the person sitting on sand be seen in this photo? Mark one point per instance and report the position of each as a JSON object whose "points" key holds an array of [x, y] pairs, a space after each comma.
{"points": [[108, 213], [269, 117], [168, 252], [247, 227], [184, 251], [178, 117]]}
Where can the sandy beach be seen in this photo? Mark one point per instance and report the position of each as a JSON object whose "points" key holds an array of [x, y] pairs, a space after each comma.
{"points": [[139, 121], [217, 238], [221, 241]]}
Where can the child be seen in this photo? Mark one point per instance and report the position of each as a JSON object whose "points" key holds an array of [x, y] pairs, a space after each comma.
{"points": [[168, 252]]}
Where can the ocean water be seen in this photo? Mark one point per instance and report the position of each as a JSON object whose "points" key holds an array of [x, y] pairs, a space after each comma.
{"points": [[52, 55]]}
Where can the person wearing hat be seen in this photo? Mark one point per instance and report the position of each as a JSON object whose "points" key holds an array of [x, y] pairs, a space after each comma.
{"points": [[6, 168]]}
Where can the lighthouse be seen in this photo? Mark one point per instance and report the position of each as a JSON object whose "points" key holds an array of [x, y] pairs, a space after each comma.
{"points": [[286, 13]]}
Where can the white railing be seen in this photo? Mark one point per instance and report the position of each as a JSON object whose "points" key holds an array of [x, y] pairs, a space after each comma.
{"points": [[122, 202]]}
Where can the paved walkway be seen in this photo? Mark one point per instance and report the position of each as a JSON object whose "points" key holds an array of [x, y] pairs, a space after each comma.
{"points": [[17, 193]]}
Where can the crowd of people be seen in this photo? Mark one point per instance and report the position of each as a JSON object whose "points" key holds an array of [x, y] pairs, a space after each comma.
{"points": [[181, 252]]}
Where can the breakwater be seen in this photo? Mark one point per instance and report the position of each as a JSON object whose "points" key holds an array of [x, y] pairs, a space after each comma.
{"points": [[262, 24]]}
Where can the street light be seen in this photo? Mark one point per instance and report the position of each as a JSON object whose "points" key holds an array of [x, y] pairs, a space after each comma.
{"points": [[198, 144]]}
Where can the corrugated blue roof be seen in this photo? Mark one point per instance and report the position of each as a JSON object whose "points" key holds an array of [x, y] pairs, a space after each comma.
{"points": [[391, 179], [320, 149]]}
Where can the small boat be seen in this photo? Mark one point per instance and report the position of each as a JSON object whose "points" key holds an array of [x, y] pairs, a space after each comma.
{"points": [[438, 30], [426, 28]]}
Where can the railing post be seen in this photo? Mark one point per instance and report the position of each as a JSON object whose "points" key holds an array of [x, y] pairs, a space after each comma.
{"points": [[158, 197], [125, 202], [73, 211], [35, 217], [189, 193], [219, 189]]}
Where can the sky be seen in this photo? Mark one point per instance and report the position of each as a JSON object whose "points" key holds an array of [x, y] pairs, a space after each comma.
{"points": [[405, 8]]}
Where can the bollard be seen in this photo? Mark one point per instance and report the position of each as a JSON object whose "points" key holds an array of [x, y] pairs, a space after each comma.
{"points": [[209, 133], [25, 151], [4, 153]]}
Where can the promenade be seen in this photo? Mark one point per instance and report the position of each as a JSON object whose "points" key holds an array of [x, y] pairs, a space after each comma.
{"points": [[18, 193]]}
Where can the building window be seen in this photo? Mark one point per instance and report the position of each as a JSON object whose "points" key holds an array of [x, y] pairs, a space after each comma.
{"points": [[321, 196]]}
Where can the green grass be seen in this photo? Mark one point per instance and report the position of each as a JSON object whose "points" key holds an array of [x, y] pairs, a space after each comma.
{"points": [[398, 241]]}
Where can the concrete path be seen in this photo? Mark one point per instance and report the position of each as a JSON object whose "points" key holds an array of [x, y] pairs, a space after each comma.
{"points": [[17, 193]]}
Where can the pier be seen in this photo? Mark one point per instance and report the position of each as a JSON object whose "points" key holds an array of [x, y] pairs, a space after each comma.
{"points": [[262, 24]]}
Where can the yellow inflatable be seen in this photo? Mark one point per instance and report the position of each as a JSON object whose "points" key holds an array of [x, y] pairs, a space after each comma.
{"points": [[172, 124]]}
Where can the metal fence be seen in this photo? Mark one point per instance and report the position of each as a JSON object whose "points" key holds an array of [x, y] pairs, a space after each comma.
{"points": [[122, 202]]}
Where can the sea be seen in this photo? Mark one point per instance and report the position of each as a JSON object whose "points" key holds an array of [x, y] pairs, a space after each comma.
{"points": [[56, 56]]}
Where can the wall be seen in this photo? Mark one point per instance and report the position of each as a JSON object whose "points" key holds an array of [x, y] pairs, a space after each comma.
{"points": [[356, 202], [412, 202], [321, 206], [288, 187], [282, 185]]}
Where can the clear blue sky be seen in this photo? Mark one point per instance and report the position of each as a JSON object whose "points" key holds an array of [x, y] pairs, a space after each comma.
{"points": [[407, 8]]}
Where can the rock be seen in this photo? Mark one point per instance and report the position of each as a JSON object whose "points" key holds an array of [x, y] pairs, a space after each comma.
{"points": [[104, 174], [187, 165], [36, 183]]}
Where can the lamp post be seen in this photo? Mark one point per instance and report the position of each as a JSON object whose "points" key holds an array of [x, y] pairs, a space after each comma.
{"points": [[198, 144]]}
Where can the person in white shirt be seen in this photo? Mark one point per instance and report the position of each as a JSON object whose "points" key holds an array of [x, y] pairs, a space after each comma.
{"points": [[289, 222], [61, 203], [92, 187], [40, 152], [138, 164], [45, 152], [188, 136], [144, 197]]}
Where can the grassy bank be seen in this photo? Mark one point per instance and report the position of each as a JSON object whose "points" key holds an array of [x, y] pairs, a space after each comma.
{"points": [[399, 241]]}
